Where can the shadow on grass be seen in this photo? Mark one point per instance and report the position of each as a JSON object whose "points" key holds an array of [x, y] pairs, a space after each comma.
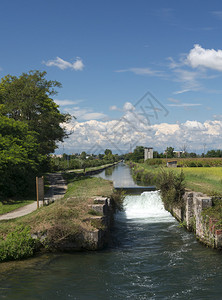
{"points": [[72, 177]]}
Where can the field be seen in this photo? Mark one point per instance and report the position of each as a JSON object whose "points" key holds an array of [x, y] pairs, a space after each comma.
{"points": [[201, 179], [205, 179]]}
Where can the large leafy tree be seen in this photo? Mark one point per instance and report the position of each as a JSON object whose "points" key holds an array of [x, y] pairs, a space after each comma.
{"points": [[138, 153], [27, 98], [19, 158], [169, 152]]}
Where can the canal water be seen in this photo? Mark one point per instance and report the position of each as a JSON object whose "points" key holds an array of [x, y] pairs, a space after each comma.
{"points": [[150, 258]]}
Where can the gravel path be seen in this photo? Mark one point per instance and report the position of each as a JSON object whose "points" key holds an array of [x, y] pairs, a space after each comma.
{"points": [[56, 191]]}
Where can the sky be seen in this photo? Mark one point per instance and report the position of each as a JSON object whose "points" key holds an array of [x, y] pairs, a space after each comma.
{"points": [[132, 72]]}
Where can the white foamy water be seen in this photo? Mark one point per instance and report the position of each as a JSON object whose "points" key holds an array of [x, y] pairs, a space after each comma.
{"points": [[147, 207]]}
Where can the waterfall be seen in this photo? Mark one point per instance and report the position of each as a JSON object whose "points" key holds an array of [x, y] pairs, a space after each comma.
{"points": [[147, 207]]}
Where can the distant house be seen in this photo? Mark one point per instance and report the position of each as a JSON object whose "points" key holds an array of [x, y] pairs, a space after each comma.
{"points": [[178, 153], [172, 164], [148, 153]]}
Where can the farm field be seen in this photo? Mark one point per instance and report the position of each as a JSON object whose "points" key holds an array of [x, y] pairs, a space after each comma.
{"points": [[207, 180]]}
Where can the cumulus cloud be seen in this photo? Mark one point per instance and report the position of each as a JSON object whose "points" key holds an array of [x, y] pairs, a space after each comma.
{"points": [[63, 64], [207, 58], [124, 134]]}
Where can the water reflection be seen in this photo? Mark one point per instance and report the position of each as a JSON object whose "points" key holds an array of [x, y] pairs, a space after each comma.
{"points": [[109, 171], [120, 175]]}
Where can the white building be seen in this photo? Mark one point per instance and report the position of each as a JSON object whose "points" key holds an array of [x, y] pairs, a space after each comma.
{"points": [[148, 153]]}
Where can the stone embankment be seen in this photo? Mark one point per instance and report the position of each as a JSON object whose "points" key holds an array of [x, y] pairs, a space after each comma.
{"points": [[194, 219], [99, 238], [102, 219]]}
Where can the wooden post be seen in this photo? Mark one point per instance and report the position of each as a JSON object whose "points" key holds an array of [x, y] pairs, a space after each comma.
{"points": [[37, 191]]}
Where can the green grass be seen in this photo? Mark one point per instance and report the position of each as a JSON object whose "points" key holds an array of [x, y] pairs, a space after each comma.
{"points": [[10, 205], [67, 215], [207, 180], [91, 168], [84, 187]]}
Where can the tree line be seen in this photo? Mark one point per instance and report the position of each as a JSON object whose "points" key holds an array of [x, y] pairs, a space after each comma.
{"points": [[138, 154]]}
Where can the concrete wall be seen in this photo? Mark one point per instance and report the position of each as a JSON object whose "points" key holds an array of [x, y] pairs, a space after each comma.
{"points": [[191, 216]]}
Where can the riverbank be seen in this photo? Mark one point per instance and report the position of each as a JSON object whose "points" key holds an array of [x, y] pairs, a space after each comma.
{"points": [[68, 224], [199, 211]]}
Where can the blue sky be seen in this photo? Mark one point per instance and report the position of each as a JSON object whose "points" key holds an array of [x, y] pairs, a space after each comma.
{"points": [[108, 54]]}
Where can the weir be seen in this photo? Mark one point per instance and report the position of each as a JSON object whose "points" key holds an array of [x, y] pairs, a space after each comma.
{"points": [[136, 190], [146, 207]]}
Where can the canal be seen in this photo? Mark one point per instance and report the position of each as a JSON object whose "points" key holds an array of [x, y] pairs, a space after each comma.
{"points": [[151, 257]]}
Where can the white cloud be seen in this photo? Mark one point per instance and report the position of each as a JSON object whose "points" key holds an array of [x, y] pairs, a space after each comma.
{"points": [[129, 131], [143, 71], [114, 108], [207, 58], [63, 64], [66, 102], [184, 104], [93, 116]]}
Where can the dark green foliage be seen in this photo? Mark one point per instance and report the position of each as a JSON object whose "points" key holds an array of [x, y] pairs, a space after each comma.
{"points": [[172, 187], [19, 158], [17, 245], [170, 152], [138, 154], [27, 99], [214, 153]]}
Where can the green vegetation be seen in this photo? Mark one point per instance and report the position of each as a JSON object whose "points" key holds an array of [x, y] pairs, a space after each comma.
{"points": [[17, 245], [11, 205], [65, 219], [201, 179], [30, 127], [206, 180], [172, 188], [83, 161]]}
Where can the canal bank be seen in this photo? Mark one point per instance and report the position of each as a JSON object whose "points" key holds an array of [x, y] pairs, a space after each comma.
{"points": [[193, 215], [151, 257]]}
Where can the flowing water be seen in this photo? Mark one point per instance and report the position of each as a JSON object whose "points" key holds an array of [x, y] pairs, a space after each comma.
{"points": [[150, 258]]}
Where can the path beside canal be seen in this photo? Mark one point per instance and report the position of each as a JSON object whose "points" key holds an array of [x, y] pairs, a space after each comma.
{"points": [[56, 191]]}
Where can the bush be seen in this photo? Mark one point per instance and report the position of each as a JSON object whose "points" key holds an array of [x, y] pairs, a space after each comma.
{"points": [[172, 188], [154, 161], [192, 164], [17, 245]]}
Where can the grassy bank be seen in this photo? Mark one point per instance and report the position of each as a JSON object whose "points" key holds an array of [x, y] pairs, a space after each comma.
{"points": [[64, 218]]}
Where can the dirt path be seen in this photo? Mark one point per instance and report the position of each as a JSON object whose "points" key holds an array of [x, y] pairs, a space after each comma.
{"points": [[56, 191]]}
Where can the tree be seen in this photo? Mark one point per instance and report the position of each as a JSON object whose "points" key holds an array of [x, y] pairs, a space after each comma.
{"points": [[169, 152], [138, 153], [19, 158], [83, 155], [107, 152], [28, 99]]}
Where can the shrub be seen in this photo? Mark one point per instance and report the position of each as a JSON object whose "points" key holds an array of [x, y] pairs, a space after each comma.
{"points": [[192, 164], [172, 188], [17, 245]]}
